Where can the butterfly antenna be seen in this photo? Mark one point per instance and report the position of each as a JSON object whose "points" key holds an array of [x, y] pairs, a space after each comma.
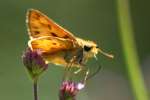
{"points": [[106, 54]]}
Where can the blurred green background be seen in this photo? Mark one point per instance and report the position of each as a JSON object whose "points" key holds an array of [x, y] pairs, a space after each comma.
{"points": [[90, 19]]}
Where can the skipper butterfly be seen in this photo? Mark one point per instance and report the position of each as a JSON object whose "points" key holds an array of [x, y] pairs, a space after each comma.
{"points": [[56, 44]]}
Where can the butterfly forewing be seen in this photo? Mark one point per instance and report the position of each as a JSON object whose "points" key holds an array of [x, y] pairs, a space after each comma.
{"points": [[40, 25]]}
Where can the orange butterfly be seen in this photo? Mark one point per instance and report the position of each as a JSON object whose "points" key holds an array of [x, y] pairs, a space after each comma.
{"points": [[57, 45]]}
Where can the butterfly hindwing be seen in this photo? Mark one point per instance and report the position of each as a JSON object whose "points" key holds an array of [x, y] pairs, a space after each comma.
{"points": [[50, 44], [40, 25]]}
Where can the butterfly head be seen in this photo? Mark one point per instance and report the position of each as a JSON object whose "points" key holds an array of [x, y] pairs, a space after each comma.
{"points": [[91, 49]]}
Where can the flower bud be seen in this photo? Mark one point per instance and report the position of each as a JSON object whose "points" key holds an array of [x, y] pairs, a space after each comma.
{"points": [[34, 63], [69, 90]]}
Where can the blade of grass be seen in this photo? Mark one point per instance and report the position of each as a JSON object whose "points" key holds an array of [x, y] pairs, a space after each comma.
{"points": [[130, 53]]}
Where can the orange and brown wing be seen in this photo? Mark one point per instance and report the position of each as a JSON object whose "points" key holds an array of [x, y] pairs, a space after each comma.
{"points": [[40, 25], [49, 45]]}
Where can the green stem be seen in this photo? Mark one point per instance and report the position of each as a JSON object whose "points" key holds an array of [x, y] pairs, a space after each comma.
{"points": [[35, 90], [130, 53]]}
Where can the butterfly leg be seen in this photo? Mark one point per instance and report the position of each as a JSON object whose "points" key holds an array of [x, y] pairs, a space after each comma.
{"points": [[86, 76], [76, 72], [84, 71], [68, 69]]}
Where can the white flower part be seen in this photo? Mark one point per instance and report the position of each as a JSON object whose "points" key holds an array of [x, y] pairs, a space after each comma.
{"points": [[80, 86]]}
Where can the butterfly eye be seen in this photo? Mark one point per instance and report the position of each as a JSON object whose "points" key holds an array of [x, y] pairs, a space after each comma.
{"points": [[86, 48]]}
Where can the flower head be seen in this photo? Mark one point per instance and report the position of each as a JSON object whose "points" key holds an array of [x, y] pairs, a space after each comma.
{"points": [[69, 90], [34, 62]]}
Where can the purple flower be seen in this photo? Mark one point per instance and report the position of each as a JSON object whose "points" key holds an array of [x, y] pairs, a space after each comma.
{"points": [[34, 62], [69, 90]]}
